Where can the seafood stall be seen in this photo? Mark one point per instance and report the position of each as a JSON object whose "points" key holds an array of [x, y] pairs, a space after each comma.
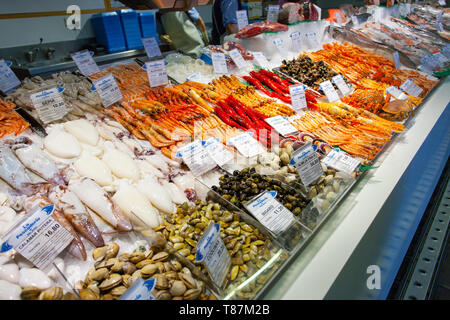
{"points": [[282, 164]]}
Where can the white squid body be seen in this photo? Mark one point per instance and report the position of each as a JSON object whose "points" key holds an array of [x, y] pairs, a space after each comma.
{"points": [[94, 168], [13, 171], [93, 196], [83, 130], [175, 193], [62, 144], [156, 193], [146, 167], [132, 201], [158, 161], [121, 164], [38, 162]]}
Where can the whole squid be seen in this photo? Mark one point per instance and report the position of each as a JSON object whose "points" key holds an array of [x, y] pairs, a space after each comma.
{"points": [[13, 172]]}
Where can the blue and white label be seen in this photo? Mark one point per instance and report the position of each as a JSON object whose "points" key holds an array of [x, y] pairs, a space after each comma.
{"points": [[396, 60], [396, 93], [211, 251], [281, 125], [108, 90], [355, 20], [261, 59], [237, 58], [341, 84], [296, 41], [246, 145], [341, 161], [307, 163], [411, 88], [272, 13], [196, 158], [85, 62], [151, 47], [446, 50], [272, 214], [242, 19], [140, 290], [278, 43], [197, 77], [8, 79], [156, 72], [49, 105], [39, 237], [298, 98], [312, 38], [330, 92], [217, 151], [219, 62], [440, 58]]}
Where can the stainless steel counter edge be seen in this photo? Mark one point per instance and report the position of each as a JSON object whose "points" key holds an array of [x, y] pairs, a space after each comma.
{"points": [[313, 273]]}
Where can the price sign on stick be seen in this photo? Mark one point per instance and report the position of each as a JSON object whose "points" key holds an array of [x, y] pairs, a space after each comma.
{"points": [[108, 90], [242, 19], [151, 47], [219, 62], [272, 13], [85, 62], [49, 105], [157, 74], [298, 97]]}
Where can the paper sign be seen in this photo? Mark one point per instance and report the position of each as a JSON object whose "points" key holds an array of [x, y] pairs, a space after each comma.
{"points": [[296, 41], [272, 13], [278, 42], [281, 125], [340, 161], [261, 59], [307, 163], [39, 237], [341, 84], [235, 54], [140, 290], [246, 145], [411, 88], [272, 214], [298, 98], [156, 72], [8, 79], [108, 90], [151, 47], [217, 151], [396, 93], [212, 252], [242, 19], [330, 92], [396, 60], [49, 105], [85, 62], [219, 62], [196, 158]]}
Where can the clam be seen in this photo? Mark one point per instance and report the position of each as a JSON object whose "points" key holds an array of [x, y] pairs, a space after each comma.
{"points": [[55, 293], [143, 263], [128, 268], [163, 295], [88, 294], [118, 266], [118, 291], [178, 288], [188, 280], [160, 256], [107, 296], [97, 275], [137, 256], [69, 296], [112, 281], [161, 282], [30, 293], [149, 270], [191, 294]]}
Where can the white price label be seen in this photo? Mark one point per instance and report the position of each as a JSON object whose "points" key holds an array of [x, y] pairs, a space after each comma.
{"points": [[39, 237], [140, 290], [157, 74], [396, 60], [272, 214], [278, 42], [197, 77], [355, 20], [440, 58], [442, 2], [311, 38], [296, 41], [307, 163], [261, 59], [439, 26], [272, 13], [341, 84], [49, 105], [281, 125], [246, 145], [212, 252], [396, 93], [330, 92], [219, 62], [108, 90], [8, 79], [411, 88], [196, 158], [151, 47], [339, 19], [85, 62], [340, 161], [217, 151], [298, 98], [242, 19], [235, 54], [430, 62]]}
